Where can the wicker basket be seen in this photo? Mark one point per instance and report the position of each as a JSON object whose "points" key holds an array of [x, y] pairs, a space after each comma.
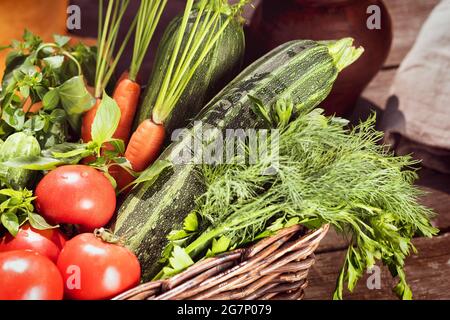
{"points": [[273, 268]]}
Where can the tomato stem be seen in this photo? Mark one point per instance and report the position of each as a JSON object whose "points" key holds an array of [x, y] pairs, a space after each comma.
{"points": [[106, 235]]}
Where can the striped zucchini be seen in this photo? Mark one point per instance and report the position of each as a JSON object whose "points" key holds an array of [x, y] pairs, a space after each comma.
{"points": [[301, 70], [222, 64]]}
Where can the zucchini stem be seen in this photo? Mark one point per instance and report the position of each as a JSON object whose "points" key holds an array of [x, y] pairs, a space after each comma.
{"points": [[343, 52]]}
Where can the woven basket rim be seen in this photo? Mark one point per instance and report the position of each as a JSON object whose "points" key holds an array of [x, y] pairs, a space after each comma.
{"points": [[258, 260]]}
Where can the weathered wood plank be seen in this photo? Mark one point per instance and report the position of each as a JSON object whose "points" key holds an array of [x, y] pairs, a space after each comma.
{"points": [[407, 18], [332, 242], [427, 274]]}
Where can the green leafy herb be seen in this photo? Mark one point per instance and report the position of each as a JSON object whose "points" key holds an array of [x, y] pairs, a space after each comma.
{"points": [[278, 115], [33, 163], [51, 100], [179, 261], [61, 41], [16, 208], [106, 120], [38, 222], [75, 99], [10, 222], [326, 174], [47, 73], [219, 246], [151, 173]]}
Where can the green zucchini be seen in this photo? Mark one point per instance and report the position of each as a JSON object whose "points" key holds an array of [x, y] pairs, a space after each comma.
{"points": [[17, 145], [222, 64], [301, 70]]}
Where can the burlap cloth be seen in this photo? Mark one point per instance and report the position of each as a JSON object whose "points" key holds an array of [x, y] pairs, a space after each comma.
{"points": [[417, 115]]}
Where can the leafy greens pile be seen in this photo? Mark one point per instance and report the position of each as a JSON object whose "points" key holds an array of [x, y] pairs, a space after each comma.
{"points": [[327, 174], [43, 90]]}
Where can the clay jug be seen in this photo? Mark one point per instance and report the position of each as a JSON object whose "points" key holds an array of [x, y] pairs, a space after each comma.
{"points": [[276, 22]]}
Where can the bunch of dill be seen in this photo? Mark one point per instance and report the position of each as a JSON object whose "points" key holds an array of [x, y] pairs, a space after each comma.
{"points": [[326, 174]]}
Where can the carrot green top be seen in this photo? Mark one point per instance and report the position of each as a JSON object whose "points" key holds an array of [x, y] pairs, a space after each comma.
{"points": [[108, 29], [192, 46]]}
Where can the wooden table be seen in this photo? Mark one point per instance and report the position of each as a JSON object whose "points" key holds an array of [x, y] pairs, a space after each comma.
{"points": [[428, 271]]}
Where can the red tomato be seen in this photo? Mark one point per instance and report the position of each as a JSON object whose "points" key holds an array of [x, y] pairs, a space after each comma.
{"points": [[76, 195], [26, 275], [45, 242], [93, 269]]}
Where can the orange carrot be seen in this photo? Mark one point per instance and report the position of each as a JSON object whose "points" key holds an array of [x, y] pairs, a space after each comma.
{"points": [[28, 105], [33, 108], [122, 177], [145, 145], [124, 75], [126, 95]]}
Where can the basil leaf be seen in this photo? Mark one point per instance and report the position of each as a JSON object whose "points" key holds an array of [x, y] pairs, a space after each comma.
{"points": [[35, 123], [54, 133], [10, 222], [118, 145], [33, 163], [54, 62], [11, 193], [75, 99], [57, 115], [39, 92], [13, 60], [63, 148], [61, 41], [72, 153], [14, 117], [106, 120], [68, 153], [4, 204], [38, 222], [24, 91], [153, 171], [50, 100]]}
